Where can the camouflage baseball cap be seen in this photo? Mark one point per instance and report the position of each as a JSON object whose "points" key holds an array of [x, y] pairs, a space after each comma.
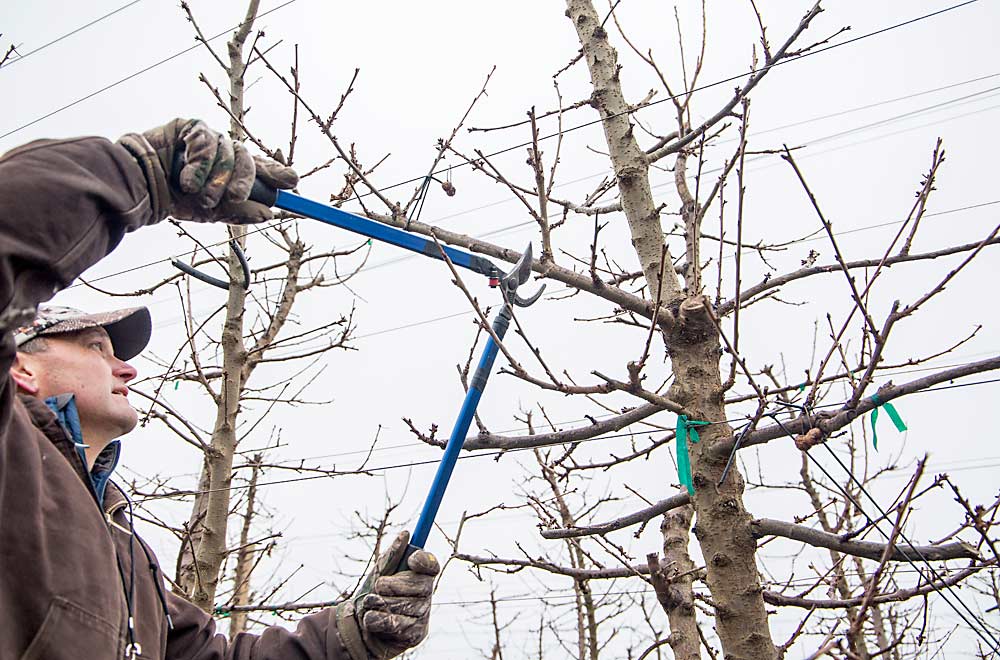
{"points": [[129, 329]]}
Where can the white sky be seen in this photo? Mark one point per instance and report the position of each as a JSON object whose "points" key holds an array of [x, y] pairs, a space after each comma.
{"points": [[420, 66]]}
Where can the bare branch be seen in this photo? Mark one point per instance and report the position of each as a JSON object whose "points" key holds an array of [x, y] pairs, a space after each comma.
{"points": [[867, 549]]}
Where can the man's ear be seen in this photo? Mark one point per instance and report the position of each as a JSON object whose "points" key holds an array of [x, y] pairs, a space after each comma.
{"points": [[23, 373]]}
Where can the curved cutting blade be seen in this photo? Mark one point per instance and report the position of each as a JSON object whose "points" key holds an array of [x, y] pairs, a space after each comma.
{"points": [[517, 276]]}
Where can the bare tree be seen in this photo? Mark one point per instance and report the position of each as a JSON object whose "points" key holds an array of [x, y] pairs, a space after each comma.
{"points": [[869, 584], [669, 298], [257, 327], [247, 554]]}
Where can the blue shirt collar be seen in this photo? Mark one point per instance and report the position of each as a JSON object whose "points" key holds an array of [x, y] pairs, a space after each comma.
{"points": [[64, 407]]}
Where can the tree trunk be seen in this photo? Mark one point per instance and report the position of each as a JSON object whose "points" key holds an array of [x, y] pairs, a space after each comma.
{"points": [[631, 166], [244, 558], [684, 639], [187, 575], [210, 547], [723, 526], [586, 609]]}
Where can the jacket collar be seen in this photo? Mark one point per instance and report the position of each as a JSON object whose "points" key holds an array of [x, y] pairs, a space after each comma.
{"points": [[58, 418], [46, 421]]}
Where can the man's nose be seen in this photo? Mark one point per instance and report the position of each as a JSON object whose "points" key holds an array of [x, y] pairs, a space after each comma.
{"points": [[125, 371]]}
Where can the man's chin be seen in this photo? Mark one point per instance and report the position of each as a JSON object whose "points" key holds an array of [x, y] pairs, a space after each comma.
{"points": [[128, 421]]}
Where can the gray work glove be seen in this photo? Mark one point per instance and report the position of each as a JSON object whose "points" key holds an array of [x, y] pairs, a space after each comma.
{"points": [[215, 176], [390, 613]]}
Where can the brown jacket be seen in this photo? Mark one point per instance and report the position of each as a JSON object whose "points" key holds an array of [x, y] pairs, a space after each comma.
{"points": [[65, 564]]}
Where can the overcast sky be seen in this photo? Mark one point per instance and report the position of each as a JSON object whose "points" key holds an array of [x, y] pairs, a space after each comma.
{"points": [[868, 115]]}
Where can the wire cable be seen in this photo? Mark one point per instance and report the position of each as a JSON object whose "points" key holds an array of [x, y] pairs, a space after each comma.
{"points": [[569, 593], [491, 454], [902, 535], [982, 630], [649, 432], [869, 106], [68, 34], [137, 73], [519, 225], [546, 137], [733, 78]]}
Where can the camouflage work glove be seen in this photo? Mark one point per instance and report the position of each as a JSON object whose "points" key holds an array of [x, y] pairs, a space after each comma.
{"points": [[390, 613], [215, 173]]}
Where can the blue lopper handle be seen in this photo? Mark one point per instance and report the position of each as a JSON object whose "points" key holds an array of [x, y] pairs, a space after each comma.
{"points": [[457, 439], [293, 203], [331, 215]]}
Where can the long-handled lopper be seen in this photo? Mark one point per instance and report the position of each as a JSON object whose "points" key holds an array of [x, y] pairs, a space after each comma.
{"points": [[508, 284], [289, 201], [508, 287]]}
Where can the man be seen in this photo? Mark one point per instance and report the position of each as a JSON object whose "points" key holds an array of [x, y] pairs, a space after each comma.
{"points": [[75, 580]]}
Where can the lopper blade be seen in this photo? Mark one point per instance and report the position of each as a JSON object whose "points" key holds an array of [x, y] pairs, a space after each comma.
{"points": [[517, 276]]}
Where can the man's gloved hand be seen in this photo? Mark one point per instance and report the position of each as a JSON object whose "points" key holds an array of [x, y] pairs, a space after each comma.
{"points": [[215, 176], [390, 614]]}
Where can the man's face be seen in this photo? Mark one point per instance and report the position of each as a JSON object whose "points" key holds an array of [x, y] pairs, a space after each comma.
{"points": [[84, 364]]}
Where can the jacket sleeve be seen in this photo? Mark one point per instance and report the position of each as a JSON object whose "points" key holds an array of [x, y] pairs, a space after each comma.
{"points": [[194, 638], [64, 205]]}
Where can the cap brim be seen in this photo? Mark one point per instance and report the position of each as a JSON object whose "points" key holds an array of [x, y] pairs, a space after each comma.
{"points": [[129, 329]]}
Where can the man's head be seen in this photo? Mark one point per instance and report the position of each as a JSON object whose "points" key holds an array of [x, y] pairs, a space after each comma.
{"points": [[65, 351]]}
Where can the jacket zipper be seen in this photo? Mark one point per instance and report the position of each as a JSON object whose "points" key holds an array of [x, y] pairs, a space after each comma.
{"points": [[124, 614], [131, 651]]}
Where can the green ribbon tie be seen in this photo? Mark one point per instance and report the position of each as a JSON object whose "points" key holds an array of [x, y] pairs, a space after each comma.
{"points": [[686, 428], [889, 410]]}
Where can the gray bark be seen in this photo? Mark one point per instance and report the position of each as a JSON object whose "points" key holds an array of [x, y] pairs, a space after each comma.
{"points": [[677, 594], [210, 546]]}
